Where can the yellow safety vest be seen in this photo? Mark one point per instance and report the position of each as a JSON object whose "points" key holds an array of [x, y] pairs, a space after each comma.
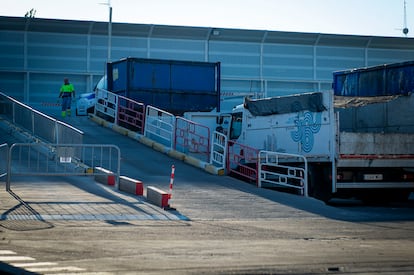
{"points": [[67, 89]]}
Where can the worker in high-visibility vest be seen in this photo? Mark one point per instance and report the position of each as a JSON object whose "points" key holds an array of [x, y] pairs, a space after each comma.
{"points": [[66, 92]]}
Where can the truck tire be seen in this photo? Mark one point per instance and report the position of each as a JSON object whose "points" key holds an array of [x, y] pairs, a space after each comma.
{"points": [[319, 182], [383, 197]]}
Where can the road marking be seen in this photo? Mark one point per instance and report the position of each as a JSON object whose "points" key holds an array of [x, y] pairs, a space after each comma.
{"points": [[56, 269], [28, 264], [15, 258], [24, 265], [7, 252]]}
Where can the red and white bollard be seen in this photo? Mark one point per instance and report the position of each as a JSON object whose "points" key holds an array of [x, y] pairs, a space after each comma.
{"points": [[171, 184]]}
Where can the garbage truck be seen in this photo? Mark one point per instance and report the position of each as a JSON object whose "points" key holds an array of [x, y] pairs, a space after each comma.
{"points": [[354, 146]]}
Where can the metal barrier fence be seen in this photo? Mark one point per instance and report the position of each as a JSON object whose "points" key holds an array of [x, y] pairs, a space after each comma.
{"points": [[286, 170], [106, 105], [4, 157], [173, 132], [192, 138], [242, 161], [33, 159], [38, 124], [189, 137], [159, 126], [131, 114], [218, 150]]}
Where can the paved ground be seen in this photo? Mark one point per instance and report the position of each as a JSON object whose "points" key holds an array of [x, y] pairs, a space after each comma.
{"points": [[73, 225]]}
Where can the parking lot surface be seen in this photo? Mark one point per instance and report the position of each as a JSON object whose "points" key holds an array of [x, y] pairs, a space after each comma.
{"points": [[220, 225]]}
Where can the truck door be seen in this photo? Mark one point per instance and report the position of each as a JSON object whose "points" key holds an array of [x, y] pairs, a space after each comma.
{"points": [[236, 125], [224, 124]]}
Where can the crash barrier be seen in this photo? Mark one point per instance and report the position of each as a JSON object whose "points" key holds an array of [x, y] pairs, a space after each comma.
{"points": [[157, 196], [106, 105], [131, 186], [219, 150], [131, 114], [283, 170], [242, 161], [159, 126], [104, 176], [38, 124], [35, 159], [192, 139], [4, 156]]}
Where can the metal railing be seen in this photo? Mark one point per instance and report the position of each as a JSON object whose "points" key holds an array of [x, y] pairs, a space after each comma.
{"points": [[4, 157], [283, 170], [218, 150], [192, 138], [159, 126], [34, 159], [37, 124], [131, 114], [242, 160], [106, 105]]}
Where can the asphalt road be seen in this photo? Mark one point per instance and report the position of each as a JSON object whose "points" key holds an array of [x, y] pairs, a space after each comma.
{"points": [[221, 225]]}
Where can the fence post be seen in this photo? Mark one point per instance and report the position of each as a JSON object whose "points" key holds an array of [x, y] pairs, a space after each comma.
{"points": [[8, 168], [33, 122], [116, 109], [57, 140], [4, 154], [14, 113]]}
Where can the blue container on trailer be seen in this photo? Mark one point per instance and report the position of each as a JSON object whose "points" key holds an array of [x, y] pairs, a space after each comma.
{"points": [[172, 85], [382, 80]]}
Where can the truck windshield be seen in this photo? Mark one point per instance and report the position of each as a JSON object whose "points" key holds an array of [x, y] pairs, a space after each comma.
{"points": [[236, 125], [101, 84]]}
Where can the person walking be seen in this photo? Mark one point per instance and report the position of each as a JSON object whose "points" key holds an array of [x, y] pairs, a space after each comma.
{"points": [[66, 92]]}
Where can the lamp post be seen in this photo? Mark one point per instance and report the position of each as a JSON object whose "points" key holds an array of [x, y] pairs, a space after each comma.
{"points": [[109, 31]]}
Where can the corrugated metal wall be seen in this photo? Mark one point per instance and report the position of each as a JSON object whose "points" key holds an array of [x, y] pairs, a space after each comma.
{"points": [[36, 54]]}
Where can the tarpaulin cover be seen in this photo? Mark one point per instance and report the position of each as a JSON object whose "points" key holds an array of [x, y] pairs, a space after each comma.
{"points": [[312, 102]]}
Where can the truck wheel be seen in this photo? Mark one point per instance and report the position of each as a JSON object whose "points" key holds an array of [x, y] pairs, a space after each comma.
{"points": [[394, 196], [376, 197], [319, 183], [383, 197], [402, 196]]}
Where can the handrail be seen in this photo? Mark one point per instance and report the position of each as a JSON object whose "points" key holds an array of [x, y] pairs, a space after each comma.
{"points": [[37, 123]]}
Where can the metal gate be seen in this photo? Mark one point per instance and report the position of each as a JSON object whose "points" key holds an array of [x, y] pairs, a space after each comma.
{"points": [[131, 114], [33, 159], [159, 126], [4, 156], [286, 170], [192, 138], [219, 150], [242, 161], [106, 105]]}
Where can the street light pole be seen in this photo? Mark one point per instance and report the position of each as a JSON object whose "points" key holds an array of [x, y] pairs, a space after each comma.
{"points": [[109, 31]]}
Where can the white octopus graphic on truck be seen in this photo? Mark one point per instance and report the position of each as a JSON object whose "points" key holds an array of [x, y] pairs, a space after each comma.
{"points": [[307, 126]]}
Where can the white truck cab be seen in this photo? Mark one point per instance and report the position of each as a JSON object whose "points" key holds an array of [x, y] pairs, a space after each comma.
{"points": [[86, 102]]}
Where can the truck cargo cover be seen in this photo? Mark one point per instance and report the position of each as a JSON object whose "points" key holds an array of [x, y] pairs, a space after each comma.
{"points": [[312, 102], [358, 101]]}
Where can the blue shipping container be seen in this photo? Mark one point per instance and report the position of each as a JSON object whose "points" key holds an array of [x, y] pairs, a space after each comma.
{"points": [[171, 85], [388, 79]]}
